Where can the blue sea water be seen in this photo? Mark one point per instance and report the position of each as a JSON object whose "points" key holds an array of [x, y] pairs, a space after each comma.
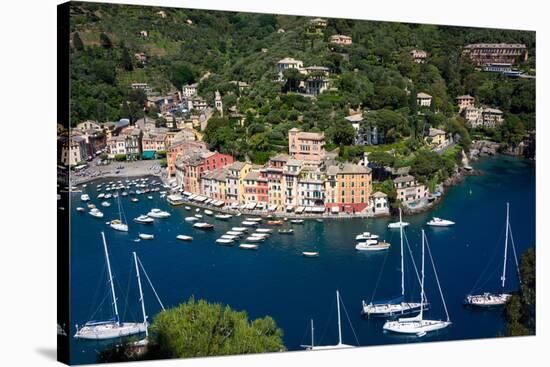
{"points": [[277, 281]]}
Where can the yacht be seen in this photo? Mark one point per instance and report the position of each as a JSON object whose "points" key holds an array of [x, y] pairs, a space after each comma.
{"points": [[157, 213], [438, 222], [145, 236], [143, 219], [96, 213], [117, 225], [487, 299], [366, 236], [372, 245], [399, 224]]}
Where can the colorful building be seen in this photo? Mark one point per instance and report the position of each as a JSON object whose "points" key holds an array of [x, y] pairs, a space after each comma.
{"points": [[489, 53], [236, 172], [306, 146], [408, 189]]}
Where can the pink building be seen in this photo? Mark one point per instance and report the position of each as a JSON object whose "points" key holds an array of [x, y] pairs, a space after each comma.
{"points": [[340, 39], [306, 146], [464, 102], [408, 189]]}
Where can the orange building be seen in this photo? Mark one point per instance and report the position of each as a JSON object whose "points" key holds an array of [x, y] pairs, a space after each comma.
{"points": [[348, 187], [306, 145]]}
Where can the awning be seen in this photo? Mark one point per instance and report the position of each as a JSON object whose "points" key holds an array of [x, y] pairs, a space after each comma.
{"points": [[250, 205], [289, 208], [318, 209], [218, 203], [299, 209], [148, 154], [200, 198], [308, 209], [272, 208], [187, 193], [335, 209]]}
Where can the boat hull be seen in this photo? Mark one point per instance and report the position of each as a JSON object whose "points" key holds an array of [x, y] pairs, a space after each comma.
{"points": [[109, 331], [416, 327], [391, 310], [487, 300]]}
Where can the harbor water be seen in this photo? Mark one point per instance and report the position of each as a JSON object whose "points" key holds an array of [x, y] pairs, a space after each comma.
{"points": [[277, 280]]}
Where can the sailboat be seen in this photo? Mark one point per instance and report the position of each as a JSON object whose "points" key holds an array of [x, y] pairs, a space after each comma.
{"points": [[396, 306], [113, 328], [417, 325], [118, 224], [340, 345], [488, 299]]}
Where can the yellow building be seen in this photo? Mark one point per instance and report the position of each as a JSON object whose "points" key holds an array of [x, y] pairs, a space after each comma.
{"points": [[438, 137], [234, 186]]}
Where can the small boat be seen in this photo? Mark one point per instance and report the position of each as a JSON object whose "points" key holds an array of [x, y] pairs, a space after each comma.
{"points": [[229, 237], [183, 237], [224, 241], [260, 235], [134, 200], [249, 223], [297, 221], [286, 231], [366, 236], [254, 219], [187, 208], [203, 225], [319, 220], [198, 210], [145, 236], [438, 222], [108, 196], [372, 245], [398, 225], [85, 197], [80, 209], [274, 222], [150, 197], [106, 204], [117, 225], [264, 230], [310, 253], [100, 196], [124, 193], [247, 246], [208, 212], [255, 239], [223, 216], [157, 213], [96, 213], [144, 219], [234, 233], [198, 215], [239, 229], [91, 206], [191, 219]]}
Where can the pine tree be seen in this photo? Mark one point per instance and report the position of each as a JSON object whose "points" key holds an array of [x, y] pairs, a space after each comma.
{"points": [[127, 60], [105, 41]]}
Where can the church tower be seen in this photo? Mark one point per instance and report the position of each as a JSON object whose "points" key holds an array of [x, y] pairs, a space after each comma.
{"points": [[218, 102]]}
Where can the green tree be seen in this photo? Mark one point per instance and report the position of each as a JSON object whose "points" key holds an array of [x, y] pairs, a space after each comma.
{"points": [[200, 329], [521, 308], [127, 60], [341, 133], [426, 164], [181, 74], [381, 159], [77, 42]]}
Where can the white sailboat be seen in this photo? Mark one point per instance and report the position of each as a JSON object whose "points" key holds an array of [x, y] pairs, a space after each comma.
{"points": [[417, 325], [113, 328], [340, 345], [118, 224], [488, 299], [396, 306]]}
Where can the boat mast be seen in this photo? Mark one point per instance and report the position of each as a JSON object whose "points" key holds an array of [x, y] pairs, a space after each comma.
{"points": [[503, 277], [339, 322], [402, 260], [110, 278], [141, 296], [422, 281], [312, 334]]}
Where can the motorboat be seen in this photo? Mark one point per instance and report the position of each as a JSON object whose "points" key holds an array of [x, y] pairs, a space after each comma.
{"points": [[143, 219], [438, 222], [187, 208], [239, 229], [224, 241], [398, 225], [297, 221], [366, 236], [191, 219], [248, 246], [229, 237], [310, 253], [150, 197], [101, 196], [249, 223], [198, 210], [157, 213], [203, 225], [223, 216], [234, 233], [274, 222], [208, 212], [117, 225], [254, 239], [487, 299], [96, 213], [264, 230], [80, 209], [145, 236], [286, 231], [198, 215], [85, 197], [134, 200], [183, 237], [254, 219], [91, 206], [372, 245], [105, 204]]}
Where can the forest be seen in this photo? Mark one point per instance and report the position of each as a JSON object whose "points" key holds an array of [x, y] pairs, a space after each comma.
{"points": [[374, 74]]}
